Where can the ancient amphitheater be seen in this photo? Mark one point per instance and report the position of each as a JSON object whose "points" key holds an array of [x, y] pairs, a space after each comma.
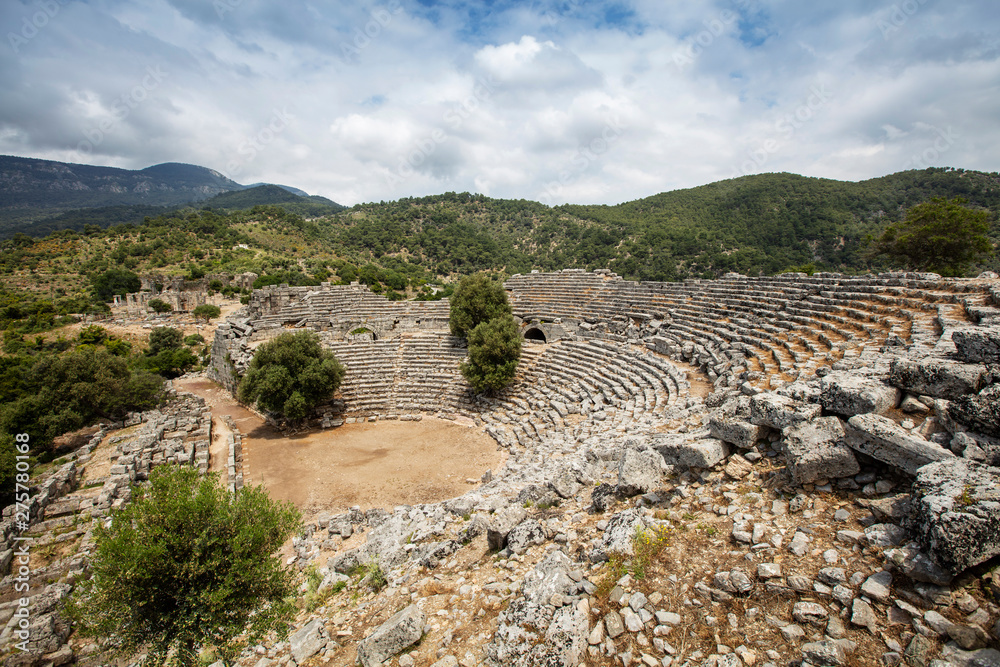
{"points": [[821, 449]]}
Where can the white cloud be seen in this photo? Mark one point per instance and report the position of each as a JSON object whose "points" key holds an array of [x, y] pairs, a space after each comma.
{"points": [[571, 101]]}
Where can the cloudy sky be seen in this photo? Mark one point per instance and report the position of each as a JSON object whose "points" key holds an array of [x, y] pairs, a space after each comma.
{"points": [[551, 100]]}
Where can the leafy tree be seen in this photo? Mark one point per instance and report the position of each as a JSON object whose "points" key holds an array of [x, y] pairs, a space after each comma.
{"points": [[494, 351], [51, 394], [938, 235], [160, 306], [164, 338], [8, 472], [93, 335], [194, 339], [187, 565], [290, 375], [114, 281], [166, 354], [118, 347], [477, 299], [207, 311]]}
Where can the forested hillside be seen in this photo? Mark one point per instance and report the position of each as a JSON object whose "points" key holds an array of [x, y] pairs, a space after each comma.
{"points": [[756, 224]]}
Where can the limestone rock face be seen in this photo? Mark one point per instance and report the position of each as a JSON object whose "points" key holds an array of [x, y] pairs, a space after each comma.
{"points": [[639, 471], [817, 450], [621, 530], [531, 631], [308, 641], [779, 412], [403, 629], [524, 535], [940, 378], [848, 394], [958, 513], [981, 413], [883, 439], [978, 344], [501, 523]]}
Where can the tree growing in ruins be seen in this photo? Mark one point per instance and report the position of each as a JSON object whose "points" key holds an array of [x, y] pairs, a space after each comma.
{"points": [[494, 352], [160, 306], [290, 375], [206, 311], [114, 281], [939, 235], [478, 298], [186, 565]]}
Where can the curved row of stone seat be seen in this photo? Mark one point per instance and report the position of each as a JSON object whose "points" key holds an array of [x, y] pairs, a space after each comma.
{"points": [[579, 388], [787, 323], [412, 373], [318, 307]]}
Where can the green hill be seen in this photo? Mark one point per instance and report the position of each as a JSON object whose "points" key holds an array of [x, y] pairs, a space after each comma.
{"points": [[760, 224], [755, 224], [265, 195]]}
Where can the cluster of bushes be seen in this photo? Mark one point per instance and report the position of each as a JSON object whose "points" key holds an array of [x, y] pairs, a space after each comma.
{"points": [[51, 388]]}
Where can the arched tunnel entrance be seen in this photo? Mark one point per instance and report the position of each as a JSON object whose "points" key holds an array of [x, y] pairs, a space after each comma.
{"points": [[535, 334]]}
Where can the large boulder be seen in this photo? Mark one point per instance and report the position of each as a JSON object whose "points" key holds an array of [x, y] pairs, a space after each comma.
{"points": [[883, 439], [779, 412], [817, 450], [848, 394], [957, 505], [701, 453], [501, 523], [978, 344], [532, 630], [525, 535], [981, 413], [937, 377], [639, 471], [403, 629], [549, 577], [619, 536], [308, 641], [735, 431]]}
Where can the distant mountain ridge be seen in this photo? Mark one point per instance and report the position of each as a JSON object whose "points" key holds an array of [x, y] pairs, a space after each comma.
{"points": [[34, 190]]}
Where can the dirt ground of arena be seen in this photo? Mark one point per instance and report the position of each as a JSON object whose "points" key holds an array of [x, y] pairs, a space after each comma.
{"points": [[379, 464]]}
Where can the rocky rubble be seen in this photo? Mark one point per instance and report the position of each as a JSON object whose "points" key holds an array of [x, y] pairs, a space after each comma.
{"points": [[840, 516]]}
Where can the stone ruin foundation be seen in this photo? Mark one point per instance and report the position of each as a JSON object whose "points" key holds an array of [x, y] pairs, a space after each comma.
{"points": [[863, 409]]}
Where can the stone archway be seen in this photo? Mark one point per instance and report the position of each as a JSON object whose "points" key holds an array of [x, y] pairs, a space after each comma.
{"points": [[535, 334]]}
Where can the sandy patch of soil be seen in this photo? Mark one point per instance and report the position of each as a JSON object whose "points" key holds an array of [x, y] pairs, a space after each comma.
{"points": [[379, 464]]}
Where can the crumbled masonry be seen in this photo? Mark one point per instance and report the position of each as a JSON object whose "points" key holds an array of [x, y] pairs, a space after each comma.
{"points": [[812, 461]]}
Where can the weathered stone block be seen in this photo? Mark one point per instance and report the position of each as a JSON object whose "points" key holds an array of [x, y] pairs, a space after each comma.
{"points": [[957, 506], [639, 471], [501, 523], [699, 454], [308, 641], [817, 450], [981, 413], [883, 439], [779, 412], [848, 394], [403, 629], [978, 344], [937, 377], [735, 431]]}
